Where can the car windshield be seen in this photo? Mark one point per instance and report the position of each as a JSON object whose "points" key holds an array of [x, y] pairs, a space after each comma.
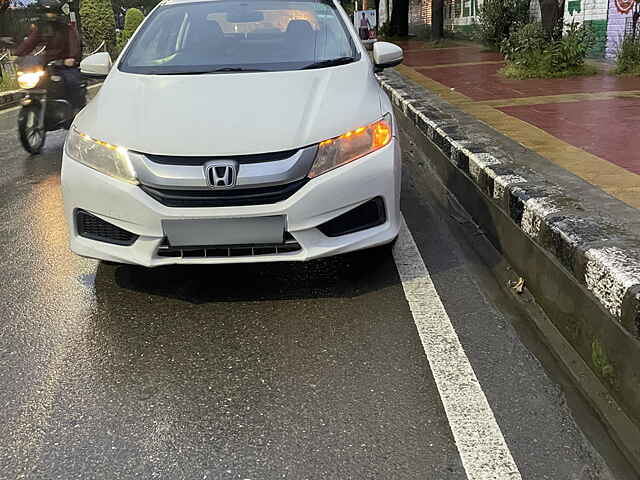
{"points": [[247, 35]]}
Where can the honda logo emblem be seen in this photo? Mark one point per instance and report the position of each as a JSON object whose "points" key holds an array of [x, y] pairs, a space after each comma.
{"points": [[221, 173]]}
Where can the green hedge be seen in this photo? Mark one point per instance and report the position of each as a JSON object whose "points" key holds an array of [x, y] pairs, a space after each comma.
{"points": [[98, 24], [132, 19], [531, 52], [496, 18], [628, 58]]}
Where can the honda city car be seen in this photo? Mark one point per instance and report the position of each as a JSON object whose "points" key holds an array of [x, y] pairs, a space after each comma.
{"points": [[235, 131]]}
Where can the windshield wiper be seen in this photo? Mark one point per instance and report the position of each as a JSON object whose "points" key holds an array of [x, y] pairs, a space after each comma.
{"points": [[235, 69], [216, 70], [332, 62]]}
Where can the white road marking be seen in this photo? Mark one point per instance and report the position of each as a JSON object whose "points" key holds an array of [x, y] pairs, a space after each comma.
{"points": [[483, 450]]}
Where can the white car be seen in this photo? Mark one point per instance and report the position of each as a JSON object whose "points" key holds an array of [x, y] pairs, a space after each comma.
{"points": [[235, 131]]}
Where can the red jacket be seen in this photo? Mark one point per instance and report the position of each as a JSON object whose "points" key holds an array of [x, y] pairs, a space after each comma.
{"points": [[63, 44]]}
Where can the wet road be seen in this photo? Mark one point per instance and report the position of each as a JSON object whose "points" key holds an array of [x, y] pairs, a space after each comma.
{"points": [[301, 371]]}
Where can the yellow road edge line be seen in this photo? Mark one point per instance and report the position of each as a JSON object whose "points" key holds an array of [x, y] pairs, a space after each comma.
{"points": [[437, 49], [561, 98], [447, 93], [618, 182], [463, 64]]}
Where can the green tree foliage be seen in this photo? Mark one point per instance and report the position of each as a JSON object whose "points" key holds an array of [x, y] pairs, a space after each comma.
{"points": [[533, 52], [571, 49], [525, 45], [15, 22], [98, 24], [349, 7], [628, 58], [496, 18], [144, 5], [132, 20]]}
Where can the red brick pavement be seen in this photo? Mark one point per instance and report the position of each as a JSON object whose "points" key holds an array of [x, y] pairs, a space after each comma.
{"points": [[482, 82], [606, 128], [448, 56]]}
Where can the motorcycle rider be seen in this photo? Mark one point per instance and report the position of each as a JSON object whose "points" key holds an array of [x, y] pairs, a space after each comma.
{"points": [[61, 42]]}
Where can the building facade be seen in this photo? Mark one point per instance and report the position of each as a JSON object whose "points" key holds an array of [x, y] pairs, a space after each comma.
{"points": [[460, 15], [609, 19], [593, 13], [619, 23], [419, 15]]}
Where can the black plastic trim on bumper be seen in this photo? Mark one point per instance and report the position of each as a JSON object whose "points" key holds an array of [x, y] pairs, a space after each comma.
{"points": [[368, 215], [94, 228], [289, 245]]}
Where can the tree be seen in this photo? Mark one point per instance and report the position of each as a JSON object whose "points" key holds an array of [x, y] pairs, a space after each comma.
{"points": [[144, 5], [634, 18], [98, 24], [551, 14], [132, 20], [496, 18], [399, 25], [437, 20], [15, 19]]}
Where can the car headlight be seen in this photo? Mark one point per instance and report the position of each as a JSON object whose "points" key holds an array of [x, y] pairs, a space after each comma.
{"points": [[29, 80], [101, 156], [352, 145]]}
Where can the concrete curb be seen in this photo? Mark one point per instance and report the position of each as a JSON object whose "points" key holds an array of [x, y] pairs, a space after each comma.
{"points": [[598, 256]]}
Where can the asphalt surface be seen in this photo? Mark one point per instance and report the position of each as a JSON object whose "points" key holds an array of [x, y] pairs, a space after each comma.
{"points": [[301, 371]]}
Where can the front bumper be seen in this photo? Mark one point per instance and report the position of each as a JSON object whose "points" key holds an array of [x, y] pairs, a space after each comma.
{"points": [[320, 200]]}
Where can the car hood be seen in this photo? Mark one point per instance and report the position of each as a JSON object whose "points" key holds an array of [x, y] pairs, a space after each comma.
{"points": [[231, 114]]}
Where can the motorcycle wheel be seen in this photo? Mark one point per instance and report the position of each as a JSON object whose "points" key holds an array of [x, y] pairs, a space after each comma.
{"points": [[32, 136]]}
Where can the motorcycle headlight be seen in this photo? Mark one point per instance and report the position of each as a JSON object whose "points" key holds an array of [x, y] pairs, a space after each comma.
{"points": [[109, 159], [352, 145], [29, 80]]}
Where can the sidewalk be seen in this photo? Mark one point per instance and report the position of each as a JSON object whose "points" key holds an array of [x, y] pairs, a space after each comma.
{"points": [[550, 172], [587, 125]]}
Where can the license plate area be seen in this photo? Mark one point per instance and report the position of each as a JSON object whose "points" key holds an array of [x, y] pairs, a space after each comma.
{"points": [[224, 231]]}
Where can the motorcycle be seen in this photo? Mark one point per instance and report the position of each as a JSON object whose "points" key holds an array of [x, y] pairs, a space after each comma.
{"points": [[44, 107]]}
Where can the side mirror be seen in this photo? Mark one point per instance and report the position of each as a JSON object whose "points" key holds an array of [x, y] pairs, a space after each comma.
{"points": [[96, 65], [386, 55]]}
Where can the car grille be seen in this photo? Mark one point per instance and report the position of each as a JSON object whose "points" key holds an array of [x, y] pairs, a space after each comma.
{"points": [[223, 198], [290, 245], [94, 228], [241, 159]]}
